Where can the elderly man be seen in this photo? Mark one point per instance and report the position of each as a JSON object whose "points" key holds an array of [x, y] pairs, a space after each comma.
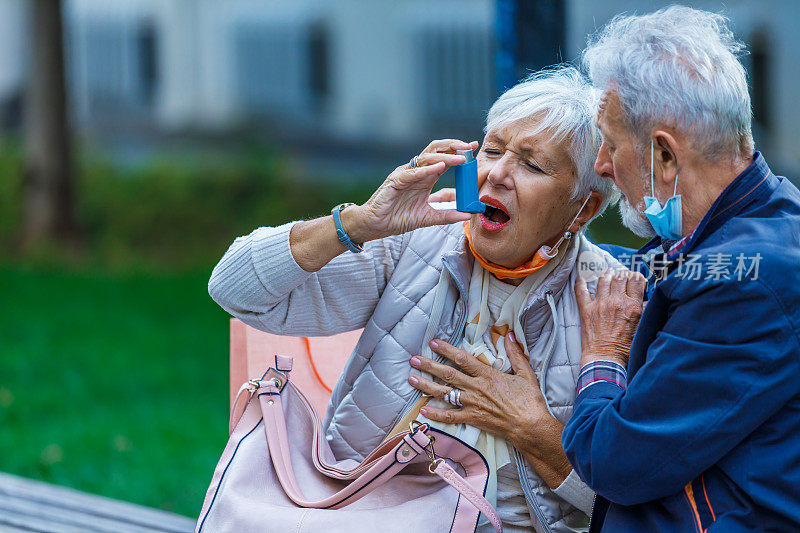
{"points": [[703, 433]]}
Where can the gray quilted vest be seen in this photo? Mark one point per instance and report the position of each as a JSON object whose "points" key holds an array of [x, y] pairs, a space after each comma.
{"points": [[373, 393]]}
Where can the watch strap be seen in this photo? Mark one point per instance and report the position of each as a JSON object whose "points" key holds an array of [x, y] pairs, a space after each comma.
{"points": [[344, 238]]}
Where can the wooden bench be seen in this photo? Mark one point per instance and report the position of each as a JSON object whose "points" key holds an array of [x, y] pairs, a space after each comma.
{"points": [[318, 361], [28, 505]]}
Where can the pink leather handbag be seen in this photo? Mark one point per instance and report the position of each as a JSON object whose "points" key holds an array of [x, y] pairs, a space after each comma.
{"points": [[278, 474]]}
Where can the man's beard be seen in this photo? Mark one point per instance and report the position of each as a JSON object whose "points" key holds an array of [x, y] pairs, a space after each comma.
{"points": [[634, 220]]}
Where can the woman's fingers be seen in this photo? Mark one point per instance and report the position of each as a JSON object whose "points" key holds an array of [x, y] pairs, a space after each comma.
{"points": [[449, 145], [427, 174], [450, 160], [465, 361], [619, 282], [448, 416], [516, 356], [443, 195], [448, 374], [451, 216], [435, 389]]}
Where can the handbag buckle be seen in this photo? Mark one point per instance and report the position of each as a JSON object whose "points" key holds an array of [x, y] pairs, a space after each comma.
{"points": [[430, 451], [432, 466], [414, 425]]}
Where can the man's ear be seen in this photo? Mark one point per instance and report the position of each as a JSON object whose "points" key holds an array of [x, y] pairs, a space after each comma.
{"points": [[666, 152]]}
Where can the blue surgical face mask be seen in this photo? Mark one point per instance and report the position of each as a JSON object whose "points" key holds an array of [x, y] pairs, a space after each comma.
{"points": [[667, 221]]}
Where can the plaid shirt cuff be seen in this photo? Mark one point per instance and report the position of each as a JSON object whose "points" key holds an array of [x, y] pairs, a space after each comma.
{"points": [[598, 371]]}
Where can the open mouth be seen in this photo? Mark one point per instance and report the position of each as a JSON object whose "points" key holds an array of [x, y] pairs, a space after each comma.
{"points": [[496, 215]]}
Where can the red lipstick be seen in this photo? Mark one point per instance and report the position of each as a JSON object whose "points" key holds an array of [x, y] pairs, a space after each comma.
{"points": [[496, 216]]}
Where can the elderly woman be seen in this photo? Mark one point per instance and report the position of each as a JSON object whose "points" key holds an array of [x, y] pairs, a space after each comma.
{"points": [[485, 303]]}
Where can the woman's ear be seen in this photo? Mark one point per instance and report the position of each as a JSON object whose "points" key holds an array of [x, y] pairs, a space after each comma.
{"points": [[665, 156], [588, 212]]}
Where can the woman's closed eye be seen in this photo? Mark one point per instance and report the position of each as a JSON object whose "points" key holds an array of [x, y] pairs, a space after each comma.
{"points": [[533, 166]]}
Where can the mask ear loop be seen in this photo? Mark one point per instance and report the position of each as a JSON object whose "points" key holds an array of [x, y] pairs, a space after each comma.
{"points": [[546, 251], [675, 188], [652, 188]]}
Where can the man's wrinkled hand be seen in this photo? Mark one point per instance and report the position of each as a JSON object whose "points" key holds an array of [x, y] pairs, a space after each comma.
{"points": [[609, 320]]}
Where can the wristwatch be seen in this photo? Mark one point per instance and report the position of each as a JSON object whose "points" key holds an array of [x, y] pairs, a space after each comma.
{"points": [[344, 238]]}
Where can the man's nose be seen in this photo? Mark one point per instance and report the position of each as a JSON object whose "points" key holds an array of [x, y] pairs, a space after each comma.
{"points": [[603, 165]]}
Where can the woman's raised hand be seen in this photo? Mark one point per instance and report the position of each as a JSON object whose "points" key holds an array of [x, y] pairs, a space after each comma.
{"points": [[401, 203]]}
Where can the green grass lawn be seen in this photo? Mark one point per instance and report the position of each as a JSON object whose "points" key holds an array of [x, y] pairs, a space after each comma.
{"points": [[113, 384]]}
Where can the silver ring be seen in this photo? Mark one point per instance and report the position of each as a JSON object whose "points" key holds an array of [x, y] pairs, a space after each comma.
{"points": [[447, 397], [453, 397], [413, 163]]}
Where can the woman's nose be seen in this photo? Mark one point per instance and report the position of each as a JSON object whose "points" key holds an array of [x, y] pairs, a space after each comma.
{"points": [[603, 165], [500, 175]]}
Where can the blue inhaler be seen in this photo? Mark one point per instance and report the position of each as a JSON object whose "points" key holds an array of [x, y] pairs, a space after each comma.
{"points": [[467, 185]]}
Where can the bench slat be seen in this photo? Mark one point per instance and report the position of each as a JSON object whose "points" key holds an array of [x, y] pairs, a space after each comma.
{"points": [[28, 503]]}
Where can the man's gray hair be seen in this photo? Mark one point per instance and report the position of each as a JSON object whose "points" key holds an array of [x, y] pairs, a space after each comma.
{"points": [[678, 67], [565, 106]]}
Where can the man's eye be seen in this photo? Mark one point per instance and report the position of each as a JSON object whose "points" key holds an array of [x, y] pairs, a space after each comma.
{"points": [[533, 167], [490, 151]]}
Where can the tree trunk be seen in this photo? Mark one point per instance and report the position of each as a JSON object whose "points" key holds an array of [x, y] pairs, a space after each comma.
{"points": [[49, 211]]}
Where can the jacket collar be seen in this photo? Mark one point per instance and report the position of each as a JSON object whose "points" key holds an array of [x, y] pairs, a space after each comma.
{"points": [[747, 187]]}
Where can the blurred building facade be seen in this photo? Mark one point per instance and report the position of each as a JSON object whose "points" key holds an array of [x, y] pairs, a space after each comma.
{"points": [[377, 71]]}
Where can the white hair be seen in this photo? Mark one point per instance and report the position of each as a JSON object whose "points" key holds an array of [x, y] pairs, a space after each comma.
{"points": [[565, 105], [678, 67]]}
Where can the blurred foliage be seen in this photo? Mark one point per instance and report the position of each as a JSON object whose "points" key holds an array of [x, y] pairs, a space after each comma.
{"points": [[609, 229], [178, 210]]}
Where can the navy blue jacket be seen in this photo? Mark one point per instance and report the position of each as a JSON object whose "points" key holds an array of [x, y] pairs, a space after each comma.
{"points": [[707, 433]]}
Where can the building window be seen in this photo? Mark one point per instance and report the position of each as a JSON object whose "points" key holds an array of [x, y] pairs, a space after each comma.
{"points": [[457, 75]]}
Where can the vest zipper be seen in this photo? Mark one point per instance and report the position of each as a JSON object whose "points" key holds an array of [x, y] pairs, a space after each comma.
{"points": [[454, 339], [519, 460], [523, 481]]}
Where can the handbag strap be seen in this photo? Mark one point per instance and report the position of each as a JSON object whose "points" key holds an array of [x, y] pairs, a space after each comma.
{"points": [[237, 409], [379, 467], [446, 472]]}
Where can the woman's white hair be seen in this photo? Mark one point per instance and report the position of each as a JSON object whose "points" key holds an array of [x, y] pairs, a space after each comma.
{"points": [[565, 105], [677, 66]]}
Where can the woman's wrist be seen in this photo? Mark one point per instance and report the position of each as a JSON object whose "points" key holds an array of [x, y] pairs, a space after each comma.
{"points": [[540, 444], [358, 224]]}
